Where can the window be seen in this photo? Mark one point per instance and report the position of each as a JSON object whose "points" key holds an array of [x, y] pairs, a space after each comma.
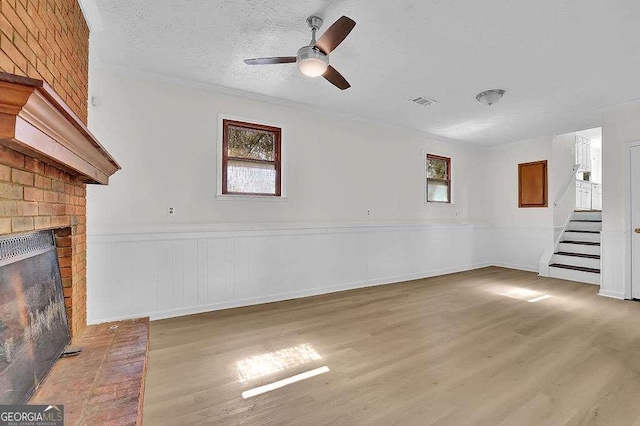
{"points": [[438, 179], [251, 159]]}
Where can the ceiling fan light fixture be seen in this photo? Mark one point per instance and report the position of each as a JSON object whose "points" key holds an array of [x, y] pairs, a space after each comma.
{"points": [[490, 97], [312, 62], [313, 59]]}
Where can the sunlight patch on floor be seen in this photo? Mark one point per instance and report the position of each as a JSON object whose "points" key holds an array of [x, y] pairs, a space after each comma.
{"points": [[272, 362], [538, 299], [517, 292], [281, 383]]}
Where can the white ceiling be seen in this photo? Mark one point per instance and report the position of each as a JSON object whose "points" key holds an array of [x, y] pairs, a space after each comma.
{"points": [[591, 133], [560, 61]]}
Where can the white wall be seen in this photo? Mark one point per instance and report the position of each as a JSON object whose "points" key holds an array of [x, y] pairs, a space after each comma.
{"points": [[220, 253], [620, 126], [503, 162], [523, 235], [164, 136]]}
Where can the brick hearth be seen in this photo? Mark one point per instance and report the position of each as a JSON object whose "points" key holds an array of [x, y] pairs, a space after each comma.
{"points": [[105, 383]]}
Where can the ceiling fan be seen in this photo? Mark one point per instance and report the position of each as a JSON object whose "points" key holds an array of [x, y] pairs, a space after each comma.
{"points": [[313, 60]]}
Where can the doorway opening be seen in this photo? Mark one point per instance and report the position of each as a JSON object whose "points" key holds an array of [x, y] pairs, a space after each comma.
{"points": [[588, 151]]}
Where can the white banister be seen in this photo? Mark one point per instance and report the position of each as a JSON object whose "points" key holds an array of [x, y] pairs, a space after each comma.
{"points": [[569, 183]]}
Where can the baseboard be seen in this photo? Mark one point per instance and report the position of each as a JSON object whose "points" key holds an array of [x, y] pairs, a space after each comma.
{"points": [[172, 313], [527, 268], [611, 294]]}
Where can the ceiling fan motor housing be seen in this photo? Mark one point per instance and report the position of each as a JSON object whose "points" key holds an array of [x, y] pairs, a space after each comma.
{"points": [[312, 52]]}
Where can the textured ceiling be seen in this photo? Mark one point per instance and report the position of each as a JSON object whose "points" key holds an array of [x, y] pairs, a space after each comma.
{"points": [[560, 61]]}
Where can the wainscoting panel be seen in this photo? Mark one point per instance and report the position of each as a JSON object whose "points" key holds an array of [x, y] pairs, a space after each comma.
{"points": [[521, 248], [613, 273], [166, 274]]}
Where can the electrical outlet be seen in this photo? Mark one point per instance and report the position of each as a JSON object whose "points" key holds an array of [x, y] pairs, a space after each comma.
{"points": [[368, 212], [171, 211]]}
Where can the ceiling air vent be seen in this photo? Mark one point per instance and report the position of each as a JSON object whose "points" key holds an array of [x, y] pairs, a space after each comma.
{"points": [[422, 101]]}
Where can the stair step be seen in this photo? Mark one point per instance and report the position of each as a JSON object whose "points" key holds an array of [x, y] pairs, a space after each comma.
{"points": [[587, 215], [585, 243], [579, 260], [575, 268], [584, 225], [587, 256], [584, 232], [582, 236], [587, 237], [578, 248]]}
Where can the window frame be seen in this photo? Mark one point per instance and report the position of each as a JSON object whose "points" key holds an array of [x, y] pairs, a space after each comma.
{"points": [[427, 178], [222, 192]]}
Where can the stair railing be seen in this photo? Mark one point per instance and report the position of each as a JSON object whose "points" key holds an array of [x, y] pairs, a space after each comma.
{"points": [[569, 183]]}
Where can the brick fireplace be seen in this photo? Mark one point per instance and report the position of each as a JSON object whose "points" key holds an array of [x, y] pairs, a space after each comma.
{"points": [[48, 41], [47, 157], [35, 196]]}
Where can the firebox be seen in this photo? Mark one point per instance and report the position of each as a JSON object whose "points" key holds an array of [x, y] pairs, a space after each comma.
{"points": [[33, 320]]}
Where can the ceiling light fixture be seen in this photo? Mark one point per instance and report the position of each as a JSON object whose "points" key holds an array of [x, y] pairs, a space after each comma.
{"points": [[490, 97], [312, 62]]}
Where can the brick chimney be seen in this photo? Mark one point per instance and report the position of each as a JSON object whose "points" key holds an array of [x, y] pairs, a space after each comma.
{"points": [[46, 153]]}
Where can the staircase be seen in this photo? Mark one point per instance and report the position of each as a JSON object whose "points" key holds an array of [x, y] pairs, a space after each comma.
{"points": [[577, 256]]}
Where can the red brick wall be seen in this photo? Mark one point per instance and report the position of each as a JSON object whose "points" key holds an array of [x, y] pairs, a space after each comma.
{"points": [[47, 40], [35, 196]]}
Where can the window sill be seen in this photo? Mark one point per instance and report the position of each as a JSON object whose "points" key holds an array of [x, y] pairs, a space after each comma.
{"points": [[261, 198], [439, 203]]}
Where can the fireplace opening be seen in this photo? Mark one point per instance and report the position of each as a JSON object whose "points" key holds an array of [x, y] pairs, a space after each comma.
{"points": [[33, 321]]}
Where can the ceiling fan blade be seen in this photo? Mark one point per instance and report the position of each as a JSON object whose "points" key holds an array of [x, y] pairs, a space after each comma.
{"points": [[335, 78], [335, 34], [271, 61]]}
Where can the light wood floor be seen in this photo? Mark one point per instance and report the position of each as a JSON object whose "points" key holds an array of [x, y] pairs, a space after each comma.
{"points": [[463, 349]]}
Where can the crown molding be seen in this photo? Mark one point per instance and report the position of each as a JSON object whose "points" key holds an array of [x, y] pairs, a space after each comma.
{"points": [[96, 63]]}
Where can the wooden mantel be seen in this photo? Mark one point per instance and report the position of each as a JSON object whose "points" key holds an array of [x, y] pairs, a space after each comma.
{"points": [[35, 121]]}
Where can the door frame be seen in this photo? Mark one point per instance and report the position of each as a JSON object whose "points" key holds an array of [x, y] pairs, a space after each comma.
{"points": [[628, 233]]}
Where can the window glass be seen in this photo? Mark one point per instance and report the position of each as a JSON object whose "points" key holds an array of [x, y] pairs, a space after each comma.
{"points": [[251, 178], [250, 143]]}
